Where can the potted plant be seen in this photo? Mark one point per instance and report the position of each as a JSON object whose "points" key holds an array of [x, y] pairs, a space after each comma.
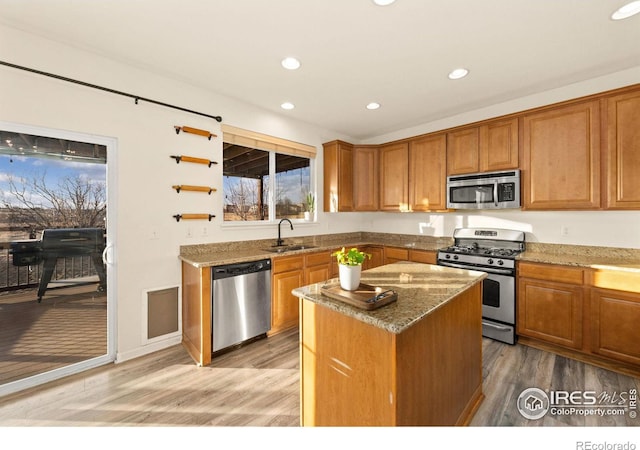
{"points": [[350, 267], [310, 203]]}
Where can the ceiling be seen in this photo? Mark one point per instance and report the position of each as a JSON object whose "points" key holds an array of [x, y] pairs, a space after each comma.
{"points": [[352, 51]]}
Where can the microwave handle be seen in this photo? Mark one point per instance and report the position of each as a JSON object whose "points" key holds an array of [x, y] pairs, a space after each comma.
{"points": [[495, 193]]}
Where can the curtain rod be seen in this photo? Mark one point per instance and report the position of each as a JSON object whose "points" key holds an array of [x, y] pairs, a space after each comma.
{"points": [[137, 98]]}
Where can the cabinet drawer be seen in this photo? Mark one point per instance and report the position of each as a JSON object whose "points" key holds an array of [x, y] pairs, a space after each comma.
{"points": [[316, 259], [286, 263], [551, 272], [422, 256], [618, 280], [396, 253]]}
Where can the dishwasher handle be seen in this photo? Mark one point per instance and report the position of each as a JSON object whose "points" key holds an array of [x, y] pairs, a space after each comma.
{"points": [[235, 270]]}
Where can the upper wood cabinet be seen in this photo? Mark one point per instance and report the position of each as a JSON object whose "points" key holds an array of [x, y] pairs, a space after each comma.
{"points": [[428, 173], [623, 151], [365, 184], [394, 174], [486, 148], [561, 157], [338, 176]]}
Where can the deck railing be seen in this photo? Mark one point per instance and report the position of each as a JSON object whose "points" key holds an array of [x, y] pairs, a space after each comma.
{"points": [[15, 277]]}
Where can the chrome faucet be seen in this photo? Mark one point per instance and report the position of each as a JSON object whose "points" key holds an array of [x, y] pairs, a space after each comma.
{"points": [[280, 242]]}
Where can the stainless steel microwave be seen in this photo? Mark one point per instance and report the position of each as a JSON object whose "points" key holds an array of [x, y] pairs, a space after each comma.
{"points": [[487, 190]]}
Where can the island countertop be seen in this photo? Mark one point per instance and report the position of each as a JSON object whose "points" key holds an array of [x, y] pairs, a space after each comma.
{"points": [[421, 289]]}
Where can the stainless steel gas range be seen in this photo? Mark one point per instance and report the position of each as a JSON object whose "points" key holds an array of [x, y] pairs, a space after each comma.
{"points": [[494, 251]]}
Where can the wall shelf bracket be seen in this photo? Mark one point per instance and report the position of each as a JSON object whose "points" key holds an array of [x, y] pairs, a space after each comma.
{"points": [[197, 131], [208, 217], [191, 159], [185, 187]]}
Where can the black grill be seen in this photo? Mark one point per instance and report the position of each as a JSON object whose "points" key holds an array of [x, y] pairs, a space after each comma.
{"points": [[60, 243]]}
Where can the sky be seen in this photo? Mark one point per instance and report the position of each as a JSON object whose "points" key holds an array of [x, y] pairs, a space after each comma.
{"points": [[55, 170]]}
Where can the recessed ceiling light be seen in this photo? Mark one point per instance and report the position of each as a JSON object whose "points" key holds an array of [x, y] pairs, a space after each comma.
{"points": [[287, 105], [383, 2], [628, 10], [373, 105], [458, 73], [290, 63]]}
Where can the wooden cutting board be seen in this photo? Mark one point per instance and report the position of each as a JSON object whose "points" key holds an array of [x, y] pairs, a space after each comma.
{"points": [[364, 297]]}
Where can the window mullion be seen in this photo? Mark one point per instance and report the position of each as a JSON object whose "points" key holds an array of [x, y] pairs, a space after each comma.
{"points": [[272, 186]]}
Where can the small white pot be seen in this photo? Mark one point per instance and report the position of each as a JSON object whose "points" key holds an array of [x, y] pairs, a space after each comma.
{"points": [[307, 216], [349, 277]]}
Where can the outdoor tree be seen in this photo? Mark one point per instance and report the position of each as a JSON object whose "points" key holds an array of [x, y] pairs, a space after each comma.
{"points": [[74, 202]]}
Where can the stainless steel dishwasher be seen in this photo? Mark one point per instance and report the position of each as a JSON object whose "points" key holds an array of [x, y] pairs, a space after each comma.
{"points": [[241, 303]]}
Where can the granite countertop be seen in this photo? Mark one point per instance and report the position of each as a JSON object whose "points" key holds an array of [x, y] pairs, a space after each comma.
{"points": [[421, 289], [206, 255], [599, 258]]}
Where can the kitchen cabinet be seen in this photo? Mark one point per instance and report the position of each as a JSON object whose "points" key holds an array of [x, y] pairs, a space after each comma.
{"points": [[615, 333], [623, 151], [423, 256], [365, 183], [394, 177], [338, 176], [587, 314], [561, 157], [428, 173], [550, 304], [288, 273], [377, 257], [395, 254], [488, 147]]}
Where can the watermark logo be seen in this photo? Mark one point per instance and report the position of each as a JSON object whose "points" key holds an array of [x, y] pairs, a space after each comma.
{"points": [[534, 403]]}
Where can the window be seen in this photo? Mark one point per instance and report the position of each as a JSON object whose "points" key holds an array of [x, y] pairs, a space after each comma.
{"points": [[265, 178]]}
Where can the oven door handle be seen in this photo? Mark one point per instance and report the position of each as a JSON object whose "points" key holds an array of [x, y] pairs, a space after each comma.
{"points": [[497, 327], [480, 269]]}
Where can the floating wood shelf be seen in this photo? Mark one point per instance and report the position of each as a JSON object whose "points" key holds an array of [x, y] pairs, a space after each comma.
{"points": [[192, 159], [193, 217], [197, 131], [186, 187]]}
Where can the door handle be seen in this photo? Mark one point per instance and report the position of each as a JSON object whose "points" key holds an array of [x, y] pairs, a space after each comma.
{"points": [[105, 254]]}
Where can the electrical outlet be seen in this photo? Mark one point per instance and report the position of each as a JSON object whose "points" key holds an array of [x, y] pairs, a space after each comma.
{"points": [[189, 233], [564, 231], [154, 235], [205, 231]]}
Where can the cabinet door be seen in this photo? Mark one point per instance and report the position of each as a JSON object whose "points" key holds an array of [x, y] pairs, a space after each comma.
{"points": [[338, 176], [561, 158], [365, 183], [551, 312], [394, 254], [423, 256], [284, 305], [428, 173], [394, 175], [623, 151], [463, 151], [377, 257], [615, 333], [499, 145]]}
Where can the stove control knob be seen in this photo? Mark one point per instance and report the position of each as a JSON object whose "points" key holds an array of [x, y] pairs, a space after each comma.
{"points": [[455, 257], [500, 262], [448, 256], [490, 261]]}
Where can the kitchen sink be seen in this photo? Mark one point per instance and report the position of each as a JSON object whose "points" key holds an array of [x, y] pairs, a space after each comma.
{"points": [[288, 248]]}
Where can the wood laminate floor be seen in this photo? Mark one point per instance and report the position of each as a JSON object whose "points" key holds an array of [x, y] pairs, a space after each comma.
{"points": [[258, 385]]}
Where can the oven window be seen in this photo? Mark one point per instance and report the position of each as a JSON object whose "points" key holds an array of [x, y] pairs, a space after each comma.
{"points": [[491, 293], [481, 193]]}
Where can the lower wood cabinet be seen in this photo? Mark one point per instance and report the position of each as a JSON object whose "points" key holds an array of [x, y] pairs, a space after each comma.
{"points": [[291, 272], [615, 325], [395, 254], [377, 257], [423, 256], [551, 311], [592, 313]]}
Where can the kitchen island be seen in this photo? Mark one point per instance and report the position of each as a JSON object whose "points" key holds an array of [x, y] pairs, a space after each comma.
{"points": [[416, 361]]}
